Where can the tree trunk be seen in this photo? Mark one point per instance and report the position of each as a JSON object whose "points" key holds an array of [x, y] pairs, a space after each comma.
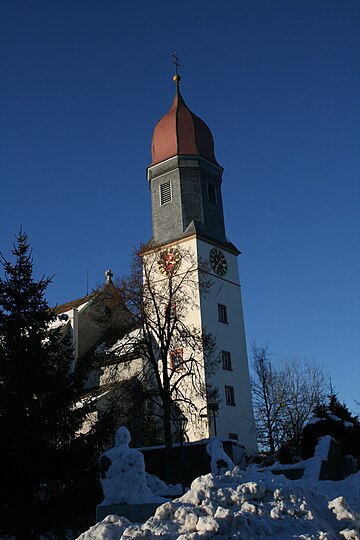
{"points": [[167, 420]]}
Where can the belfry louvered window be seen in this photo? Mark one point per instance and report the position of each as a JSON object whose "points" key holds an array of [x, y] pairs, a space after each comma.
{"points": [[165, 193]]}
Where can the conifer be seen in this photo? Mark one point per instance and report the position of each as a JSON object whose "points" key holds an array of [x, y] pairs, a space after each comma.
{"points": [[39, 389]]}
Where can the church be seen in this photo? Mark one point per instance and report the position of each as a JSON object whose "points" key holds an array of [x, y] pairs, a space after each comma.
{"points": [[191, 288]]}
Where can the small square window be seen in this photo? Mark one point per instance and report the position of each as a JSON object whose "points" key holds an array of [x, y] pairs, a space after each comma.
{"points": [[211, 193], [229, 395], [222, 312], [165, 193], [176, 359], [226, 360], [234, 436]]}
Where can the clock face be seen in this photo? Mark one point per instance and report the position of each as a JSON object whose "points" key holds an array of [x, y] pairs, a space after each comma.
{"points": [[218, 261], [169, 261]]}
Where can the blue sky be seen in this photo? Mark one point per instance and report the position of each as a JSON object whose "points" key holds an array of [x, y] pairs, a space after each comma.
{"points": [[83, 84]]}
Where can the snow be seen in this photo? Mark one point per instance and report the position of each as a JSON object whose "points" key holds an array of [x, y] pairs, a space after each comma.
{"points": [[314, 420], [124, 478], [220, 461], [229, 502], [337, 419], [248, 505], [110, 528], [332, 417], [310, 466], [158, 487]]}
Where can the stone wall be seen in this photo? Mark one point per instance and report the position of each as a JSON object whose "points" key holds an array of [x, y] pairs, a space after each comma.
{"points": [[183, 464], [333, 467]]}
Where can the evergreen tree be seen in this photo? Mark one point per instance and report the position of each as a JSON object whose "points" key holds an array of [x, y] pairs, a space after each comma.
{"points": [[39, 388], [333, 418]]}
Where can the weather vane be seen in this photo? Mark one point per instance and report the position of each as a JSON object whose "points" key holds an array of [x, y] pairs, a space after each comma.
{"points": [[175, 60]]}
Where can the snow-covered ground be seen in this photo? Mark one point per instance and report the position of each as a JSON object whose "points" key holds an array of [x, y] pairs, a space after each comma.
{"points": [[248, 505]]}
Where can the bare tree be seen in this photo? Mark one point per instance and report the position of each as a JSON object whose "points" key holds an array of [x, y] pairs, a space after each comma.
{"points": [[285, 395], [268, 397], [165, 349], [306, 386]]}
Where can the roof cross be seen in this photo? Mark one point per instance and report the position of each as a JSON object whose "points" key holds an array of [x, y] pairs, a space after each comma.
{"points": [[175, 60], [108, 275]]}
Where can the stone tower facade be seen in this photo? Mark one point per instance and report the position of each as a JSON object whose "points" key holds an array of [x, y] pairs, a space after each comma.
{"points": [[187, 215]]}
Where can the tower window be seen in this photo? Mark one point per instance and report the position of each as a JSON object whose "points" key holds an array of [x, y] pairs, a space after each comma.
{"points": [[226, 360], [222, 312], [229, 395], [165, 193], [176, 359], [211, 189]]}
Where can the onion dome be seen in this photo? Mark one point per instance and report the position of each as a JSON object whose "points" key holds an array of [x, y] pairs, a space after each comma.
{"points": [[181, 132]]}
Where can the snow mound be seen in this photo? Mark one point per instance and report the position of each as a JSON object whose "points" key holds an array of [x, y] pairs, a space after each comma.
{"points": [[123, 476], [110, 528], [158, 487], [248, 505]]}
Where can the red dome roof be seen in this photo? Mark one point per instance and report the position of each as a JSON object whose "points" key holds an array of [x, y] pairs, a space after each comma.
{"points": [[180, 132]]}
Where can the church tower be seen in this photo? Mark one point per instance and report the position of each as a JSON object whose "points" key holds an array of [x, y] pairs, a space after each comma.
{"points": [[187, 213]]}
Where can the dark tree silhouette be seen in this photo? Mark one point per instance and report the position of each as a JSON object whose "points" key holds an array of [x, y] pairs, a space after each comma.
{"points": [[268, 398], [333, 418], [42, 456], [285, 396]]}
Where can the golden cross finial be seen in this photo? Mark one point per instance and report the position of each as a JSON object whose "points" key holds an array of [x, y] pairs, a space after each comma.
{"points": [[175, 60]]}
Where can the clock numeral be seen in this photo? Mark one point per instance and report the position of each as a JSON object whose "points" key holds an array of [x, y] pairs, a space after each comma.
{"points": [[218, 261]]}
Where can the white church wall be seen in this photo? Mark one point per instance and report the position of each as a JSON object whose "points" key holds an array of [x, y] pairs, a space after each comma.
{"points": [[188, 309], [237, 418], [202, 311]]}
